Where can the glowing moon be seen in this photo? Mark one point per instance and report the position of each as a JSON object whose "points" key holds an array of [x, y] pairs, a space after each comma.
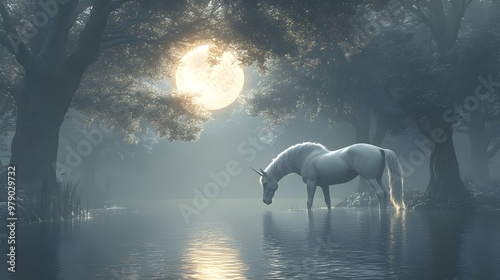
{"points": [[215, 86]]}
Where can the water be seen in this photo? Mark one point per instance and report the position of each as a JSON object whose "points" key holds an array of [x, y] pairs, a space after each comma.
{"points": [[231, 241]]}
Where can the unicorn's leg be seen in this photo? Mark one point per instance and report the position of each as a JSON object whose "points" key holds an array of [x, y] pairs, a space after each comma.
{"points": [[379, 192], [311, 189], [326, 194]]}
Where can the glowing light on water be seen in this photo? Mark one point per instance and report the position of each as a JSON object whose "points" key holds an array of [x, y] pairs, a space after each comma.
{"points": [[212, 255]]}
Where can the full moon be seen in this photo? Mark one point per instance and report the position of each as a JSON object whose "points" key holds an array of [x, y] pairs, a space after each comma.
{"points": [[215, 86]]}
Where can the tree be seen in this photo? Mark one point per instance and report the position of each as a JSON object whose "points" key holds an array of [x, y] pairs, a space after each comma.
{"points": [[478, 113], [443, 18], [431, 71], [480, 46], [473, 46], [93, 54], [455, 64], [65, 40]]}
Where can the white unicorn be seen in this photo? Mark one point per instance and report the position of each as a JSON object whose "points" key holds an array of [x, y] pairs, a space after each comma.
{"points": [[321, 167]]}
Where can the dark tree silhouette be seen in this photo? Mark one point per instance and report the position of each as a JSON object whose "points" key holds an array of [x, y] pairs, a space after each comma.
{"points": [[446, 70], [55, 52]]}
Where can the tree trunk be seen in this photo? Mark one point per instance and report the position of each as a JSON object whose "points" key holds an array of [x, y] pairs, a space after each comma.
{"points": [[445, 183], [380, 133], [43, 96], [362, 125], [495, 148], [34, 146], [479, 169]]}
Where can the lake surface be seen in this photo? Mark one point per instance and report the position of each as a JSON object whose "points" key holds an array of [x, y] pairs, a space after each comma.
{"points": [[243, 240]]}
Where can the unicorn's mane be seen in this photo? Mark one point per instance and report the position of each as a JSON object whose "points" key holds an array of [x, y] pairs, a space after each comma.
{"points": [[285, 160]]}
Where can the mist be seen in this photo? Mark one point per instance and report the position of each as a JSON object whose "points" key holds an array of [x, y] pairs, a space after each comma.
{"points": [[265, 139]]}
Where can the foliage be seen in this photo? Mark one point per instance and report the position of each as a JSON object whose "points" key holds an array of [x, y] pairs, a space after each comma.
{"points": [[426, 84], [324, 82], [144, 38]]}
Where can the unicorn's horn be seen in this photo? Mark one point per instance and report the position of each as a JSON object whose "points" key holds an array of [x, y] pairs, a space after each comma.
{"points": [[261, 174]]}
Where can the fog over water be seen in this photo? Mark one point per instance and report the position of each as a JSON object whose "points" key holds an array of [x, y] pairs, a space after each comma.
{"points": [[203, 140]]}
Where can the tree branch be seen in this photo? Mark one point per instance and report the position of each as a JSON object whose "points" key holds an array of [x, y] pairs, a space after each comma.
{"points": [[458, 12], [52, 51], [494, 150], [439, 13], [111, 41], [493, 114], [467, 4], [115, 5], [420, 14], [380, 133], [87, 50], [120, 28], [421, 128], [13, 42], [82, 6], [5, 41], [6, 19]]}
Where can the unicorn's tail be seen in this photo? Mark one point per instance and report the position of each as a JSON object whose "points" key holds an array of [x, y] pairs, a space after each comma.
{"points": [[395, 176]]}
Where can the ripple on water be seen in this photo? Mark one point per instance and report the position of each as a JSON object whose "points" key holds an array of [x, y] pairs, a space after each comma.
{"points": [[342, 244]]}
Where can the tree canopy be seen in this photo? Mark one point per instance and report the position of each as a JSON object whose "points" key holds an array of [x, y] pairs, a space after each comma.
{"points": [[142, 40]]}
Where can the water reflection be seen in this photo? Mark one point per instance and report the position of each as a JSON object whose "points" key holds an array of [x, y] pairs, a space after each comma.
{"points": [[37, 250], [212, 254], [275, 240], [341, 244], [361, 244], [446, 241], [481, 247], [392, 240]]}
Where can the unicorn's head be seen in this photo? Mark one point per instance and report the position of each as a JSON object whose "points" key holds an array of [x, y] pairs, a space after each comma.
{"points": [[269, 186]]}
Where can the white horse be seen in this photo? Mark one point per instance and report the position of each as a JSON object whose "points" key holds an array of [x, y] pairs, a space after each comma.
{"points": [[321, 167]]}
